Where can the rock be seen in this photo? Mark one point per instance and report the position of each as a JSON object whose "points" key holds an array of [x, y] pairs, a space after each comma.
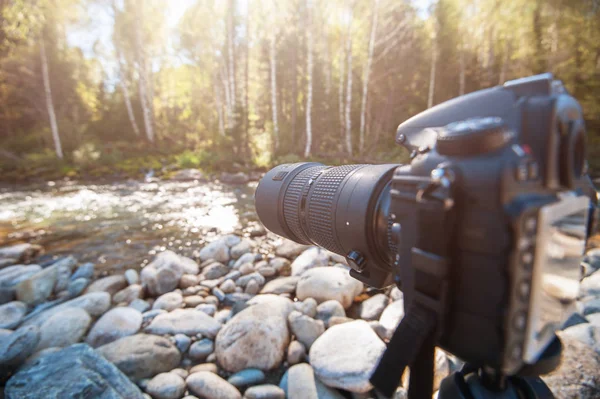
{"points": [[17, 346], [141, 356], [310, 258], [246, 268], [8, 262], [193, 300], [140, 305], [577, 376], [11, 314], [246, 258], [200, 350], [180, 372], [166, 386], [282, 266], [252, 287], [243, 247], [110, 284], [151, 314], [114, 324], [244, 280], [184, 321], [169, 301], [217, 250], [372, 308], [165, 271], [64, 328], [588, 334], [6, 295], [307, 307], [246, 377], [346, 355], [329, 309], [53, 349], [591, 306], [77, 286], [214, 271], [396, 294], [234, 178], [323, 391], [21, 252], [182, 342], [236, 297], [223, 316], [267, 271], [95, 304], [208, 308], [326, 283], [306, 329], [281, 285], [84, 271], [266, 391], [254, 338], [189, 175], [211, 367], [392, 315], [129, 294], [301, 382], [210, 386], [594, 319], [590, 286], [188, 280], [227, 287], [290, 249], [12, 275], [37, 288], [132, 276], [63, 275], [278, 304], [74, 372], [296, 352]]}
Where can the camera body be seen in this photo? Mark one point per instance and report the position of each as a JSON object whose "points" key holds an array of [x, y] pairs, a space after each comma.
{"points": [[497, 180]]}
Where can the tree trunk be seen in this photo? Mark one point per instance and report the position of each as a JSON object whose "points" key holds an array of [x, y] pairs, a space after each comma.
{"points": [[49, 102], [348, 114], [219, 104], [228, 104], [294, 93], [434, 55], [145, 99], [247, 89], [341, 91], [461, 76], [366, 74], [273, 64], [309, 80], [231, 55]]}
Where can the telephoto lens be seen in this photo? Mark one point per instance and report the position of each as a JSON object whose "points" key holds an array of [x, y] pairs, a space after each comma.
{"points": [[344, 209]]}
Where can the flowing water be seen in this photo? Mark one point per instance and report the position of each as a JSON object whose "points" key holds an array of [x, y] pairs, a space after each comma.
{"points": [[122, 225]]}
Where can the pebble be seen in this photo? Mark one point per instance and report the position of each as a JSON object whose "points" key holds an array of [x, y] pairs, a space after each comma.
{"points": [[11, 314], [307, 307], [328, 310], [267, 271], [281, 265], [163, 273], [345, 356], [140, 305], [77, 286], [266, 391], [204, 367], [141, 355], [246, 258], [84, 271], [326, 283], [182, 342], [169, 301], [592, 306], [166, 386], [220, 295], [305, 328], [64, 328], [210, 386], [114, 324], [216, 250], [396, 294], [227, 287], [200, 350], [214, 271], [188, 280], [588, 334], [290, 249], [208, 308], [38, 287], [246, 268], [193, 300], [246, 377], [180, 372], [372, 308], [309, 259], [590, 286], [301, 382], [252, 287], [132, 276], [223, 316], [95, 304], [21, 252], [281, 285], [129, 294], [184, 321], [13, 275], [244, 280], [151, 314], [379, 329], [110, 284], [296, 352], [16, 346], [241, 248], [392, 315]]}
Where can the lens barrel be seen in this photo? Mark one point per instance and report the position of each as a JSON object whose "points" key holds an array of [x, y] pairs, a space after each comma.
{"points": [[341, 208]]}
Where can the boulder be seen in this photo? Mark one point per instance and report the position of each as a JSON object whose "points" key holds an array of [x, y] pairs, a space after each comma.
{"points": [[21, 252], [11, 314], [310, 258], [110, 284], [75, 372], [163, 274], [256, 337], [142, 356], [346, 355], [281, 285], [95, 304], [16, 346], [64, 328], [12, 275], [184, 321], [305, 328], [38, 287], [169, 301], [114, 324], [326, 283], [210, 386], [372, 308], [166, 386]]}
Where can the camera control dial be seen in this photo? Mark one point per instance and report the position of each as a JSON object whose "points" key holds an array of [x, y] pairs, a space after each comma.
{"points": [[473, 137]]}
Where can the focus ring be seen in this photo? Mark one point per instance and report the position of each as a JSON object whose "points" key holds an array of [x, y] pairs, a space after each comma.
{"points": [[322, 206], [291, 202]]}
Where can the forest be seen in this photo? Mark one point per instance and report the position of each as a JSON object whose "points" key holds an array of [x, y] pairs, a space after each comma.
{"points": [[121, 87]]}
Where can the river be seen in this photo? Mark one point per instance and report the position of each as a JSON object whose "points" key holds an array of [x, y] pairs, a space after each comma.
{"points": [[122, 225]]}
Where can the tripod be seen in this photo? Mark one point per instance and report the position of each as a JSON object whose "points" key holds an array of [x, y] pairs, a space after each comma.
{"points": [[483, 383]]}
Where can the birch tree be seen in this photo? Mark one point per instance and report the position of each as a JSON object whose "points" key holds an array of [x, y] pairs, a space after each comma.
{"points": [[348, 112], [366, 75], [273, 68], [309, 78], [143, 84], [49, 101], [231, 60]]}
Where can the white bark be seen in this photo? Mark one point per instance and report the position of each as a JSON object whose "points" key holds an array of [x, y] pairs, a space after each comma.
{"points": [[461, 76], [341, 91], [434, 55], [49, 102], [219, 104], [273, 62], [366, 75], [348, 114], [231, 56], [145, 99], [228, 101], [309, 89]]}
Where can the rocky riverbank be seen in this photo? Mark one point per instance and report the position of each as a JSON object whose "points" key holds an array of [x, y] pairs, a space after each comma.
{"points": [[236, 321]]}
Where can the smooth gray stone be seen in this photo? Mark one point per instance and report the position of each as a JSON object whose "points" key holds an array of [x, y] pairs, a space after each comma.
{"points": [[84, 271], [246, 377], [17, 346], [75, 372]]}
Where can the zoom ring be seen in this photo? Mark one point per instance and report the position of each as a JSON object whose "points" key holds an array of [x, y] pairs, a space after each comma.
{"points": [[322, 206]]}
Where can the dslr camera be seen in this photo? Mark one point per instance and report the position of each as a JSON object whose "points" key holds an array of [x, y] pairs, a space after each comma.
{"points": [[483, 230]]}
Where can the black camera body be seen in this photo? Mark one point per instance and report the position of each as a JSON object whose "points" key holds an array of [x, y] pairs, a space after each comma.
{"points": [[486, 225]]}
